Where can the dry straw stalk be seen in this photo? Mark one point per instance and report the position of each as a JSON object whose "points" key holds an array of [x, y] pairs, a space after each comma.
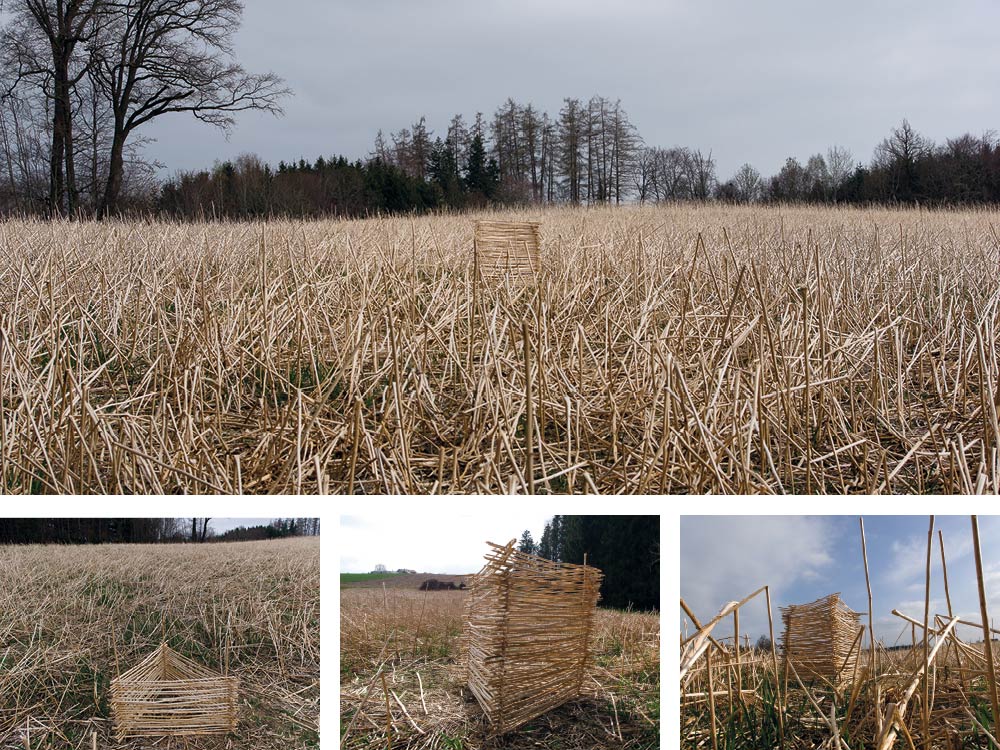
{"points": [[167, 694], [528, 632]]}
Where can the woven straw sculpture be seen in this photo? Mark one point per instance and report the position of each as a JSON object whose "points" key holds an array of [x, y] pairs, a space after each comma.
{"points": [[820, 639], [507, 248], [528, 631], [167, 694]]}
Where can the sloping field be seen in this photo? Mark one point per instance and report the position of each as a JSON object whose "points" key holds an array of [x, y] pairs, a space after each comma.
{"points": [[74, 617], [682, 349], [405, 581]]}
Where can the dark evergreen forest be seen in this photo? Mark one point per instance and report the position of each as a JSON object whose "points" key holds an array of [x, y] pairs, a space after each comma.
{"points": [[625, 548], [143, 530]]}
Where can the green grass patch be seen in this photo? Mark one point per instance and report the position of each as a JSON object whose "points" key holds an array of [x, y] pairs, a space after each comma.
{"points": [[359, 577]]}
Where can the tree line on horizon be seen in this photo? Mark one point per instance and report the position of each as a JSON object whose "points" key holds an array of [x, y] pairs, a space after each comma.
{"points": [[591, 154], [144, 530], [625, 548], [81, 79]]}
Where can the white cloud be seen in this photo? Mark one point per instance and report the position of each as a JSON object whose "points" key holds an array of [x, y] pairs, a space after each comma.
{"points": [[724, 558], [901, 583]]}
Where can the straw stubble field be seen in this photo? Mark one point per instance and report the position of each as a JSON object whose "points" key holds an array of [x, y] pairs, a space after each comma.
{"points": [[412, 640], [679, 349], [76, 616], [758, 704]]}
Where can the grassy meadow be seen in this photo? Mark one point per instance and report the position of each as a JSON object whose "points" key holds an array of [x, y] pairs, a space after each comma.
{"points": [[412, 640], [669, 349], [73, 617]]}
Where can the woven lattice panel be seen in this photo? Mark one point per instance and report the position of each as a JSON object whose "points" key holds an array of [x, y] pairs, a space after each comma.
{"points": [[507, 248], [819, 638], [528, 634], [167, 694]]}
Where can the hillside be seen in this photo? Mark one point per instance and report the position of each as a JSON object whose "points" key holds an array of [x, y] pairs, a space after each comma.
{"points": [[403, 580]]}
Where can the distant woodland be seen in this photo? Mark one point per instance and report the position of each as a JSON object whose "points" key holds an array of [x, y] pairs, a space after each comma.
{"points": [[589, 154], [625, 548], [143, 530]]}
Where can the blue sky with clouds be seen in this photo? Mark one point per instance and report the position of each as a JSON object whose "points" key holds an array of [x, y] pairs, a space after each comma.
{"points": [[724, 558]]}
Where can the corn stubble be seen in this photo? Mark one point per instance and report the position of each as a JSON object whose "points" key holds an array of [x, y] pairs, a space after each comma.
{"points": [[74, 617], [685, 349], [403, 680]]}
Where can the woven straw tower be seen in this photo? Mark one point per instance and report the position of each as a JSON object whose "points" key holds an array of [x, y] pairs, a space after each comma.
{"points": [[528, 631], [507, 249], [167, 694], [819, 639]]}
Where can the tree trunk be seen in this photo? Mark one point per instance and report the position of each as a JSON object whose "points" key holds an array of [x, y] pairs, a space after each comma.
{"points": [[116, 169], [71, 192], [9, 159], [57, 155], [92, 192]]}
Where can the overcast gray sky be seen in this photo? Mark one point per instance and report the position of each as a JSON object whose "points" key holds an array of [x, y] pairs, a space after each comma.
{"points": [[752, 82], [431, 541]]}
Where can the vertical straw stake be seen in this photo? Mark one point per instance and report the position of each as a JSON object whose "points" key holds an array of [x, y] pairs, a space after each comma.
{"points": [[872, 653], [987, 642], [530, 410], [777, 679], [475, 298], [388, 713], [736, 641], [711, 698], [947, 598], [356, 430], [926, 707]]}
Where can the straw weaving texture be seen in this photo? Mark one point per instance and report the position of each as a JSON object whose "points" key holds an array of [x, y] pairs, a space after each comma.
{"points": [[819, 637], [167, 694], [528, 630], [507, 248]]}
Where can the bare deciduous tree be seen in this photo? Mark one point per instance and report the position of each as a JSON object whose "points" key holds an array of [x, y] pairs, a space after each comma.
{"points": [[840, 163], [702, 171], [748, 184], [817, 177], [155, 57], [42, 42], [898, 155]]}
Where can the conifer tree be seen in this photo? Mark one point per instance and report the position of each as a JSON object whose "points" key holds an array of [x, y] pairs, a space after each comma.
{"points": [[527, 544], [545, 545]]}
